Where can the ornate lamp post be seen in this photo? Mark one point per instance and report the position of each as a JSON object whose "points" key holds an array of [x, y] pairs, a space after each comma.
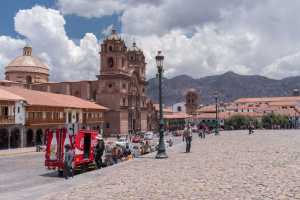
{"points": [[161, 152], [217, 114]]}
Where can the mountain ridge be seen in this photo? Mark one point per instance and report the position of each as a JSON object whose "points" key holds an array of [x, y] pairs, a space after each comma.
{"points": [[229, 85]]}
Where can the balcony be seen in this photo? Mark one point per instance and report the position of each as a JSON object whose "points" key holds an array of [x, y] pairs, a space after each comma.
{"points": [[44, 121], [91, 120], [7, 120]]}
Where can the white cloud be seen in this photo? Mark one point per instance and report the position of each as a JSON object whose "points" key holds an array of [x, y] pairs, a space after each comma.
{"points": [[10, 47], [91, 8], [208, 51], [198, 38], [218, 35], [44, 28]]}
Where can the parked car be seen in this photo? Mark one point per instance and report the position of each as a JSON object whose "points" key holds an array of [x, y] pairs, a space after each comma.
{"points": [[122, 142], [148, 135], [136, 139], [177, 133]]}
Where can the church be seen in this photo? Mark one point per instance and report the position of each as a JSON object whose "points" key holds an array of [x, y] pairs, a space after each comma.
{"points": [[120, 85]]}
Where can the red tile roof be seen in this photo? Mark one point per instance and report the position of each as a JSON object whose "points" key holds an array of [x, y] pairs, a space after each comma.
{"points": [[8, 96], [176, 115], [38, 98], [267, 99]]}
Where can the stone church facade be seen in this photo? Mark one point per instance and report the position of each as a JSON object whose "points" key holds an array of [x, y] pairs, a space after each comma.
{"points": [[120, 86]]}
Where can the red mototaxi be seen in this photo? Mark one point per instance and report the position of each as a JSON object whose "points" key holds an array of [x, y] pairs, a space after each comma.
{"points": [[82, 144]]}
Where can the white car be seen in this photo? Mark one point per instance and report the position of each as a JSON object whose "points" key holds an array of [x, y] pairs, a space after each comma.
{"points": [[148, 135], [122, 142]]}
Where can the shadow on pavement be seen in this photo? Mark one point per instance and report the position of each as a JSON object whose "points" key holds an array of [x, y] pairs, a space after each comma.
{"points": [[51, 174]]}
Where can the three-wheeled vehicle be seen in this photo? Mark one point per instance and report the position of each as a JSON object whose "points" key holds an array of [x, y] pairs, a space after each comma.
{"points": [[82, 144]]}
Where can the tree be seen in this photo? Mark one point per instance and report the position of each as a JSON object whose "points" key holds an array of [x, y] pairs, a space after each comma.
{"points": [[241, 122], [273, 120]]}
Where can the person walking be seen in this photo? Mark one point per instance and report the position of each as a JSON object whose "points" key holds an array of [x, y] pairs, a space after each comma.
{"points": [[188, 138], [250, 128], [68, 161], [99, 150]]}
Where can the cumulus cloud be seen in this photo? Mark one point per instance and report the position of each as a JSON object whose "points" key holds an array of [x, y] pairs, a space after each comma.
{"points": [[208, 37], [91, 8], [10, 47], [197, 37], [248, 37], [44, 28]]}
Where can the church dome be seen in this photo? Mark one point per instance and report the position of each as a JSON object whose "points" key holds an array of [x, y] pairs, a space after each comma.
{"points": [[113, 35], [27, 65], [134, 48]]}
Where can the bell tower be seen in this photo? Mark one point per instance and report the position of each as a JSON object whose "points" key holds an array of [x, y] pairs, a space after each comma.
{"points": [[136, 60], [113, 55], [191, 99]]}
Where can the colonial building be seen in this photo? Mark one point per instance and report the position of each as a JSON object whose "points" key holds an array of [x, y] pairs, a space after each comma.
{"points": [[27, 69], [120, 86], [192, 103], [26, 114]]}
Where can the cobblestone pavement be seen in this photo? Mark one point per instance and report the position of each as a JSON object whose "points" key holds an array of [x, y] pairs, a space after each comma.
{"points": [[234, 165]]}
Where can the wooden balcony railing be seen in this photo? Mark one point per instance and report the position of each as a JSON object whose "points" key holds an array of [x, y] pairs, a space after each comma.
{"points": [[7, 119], [91, 120], [44, 121]]}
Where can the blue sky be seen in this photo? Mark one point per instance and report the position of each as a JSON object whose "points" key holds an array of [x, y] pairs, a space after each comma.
{"points": [[197, 37], [76, 26]]}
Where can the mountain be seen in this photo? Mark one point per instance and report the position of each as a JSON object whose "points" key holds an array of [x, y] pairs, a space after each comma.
{"points": [[229, 85]]}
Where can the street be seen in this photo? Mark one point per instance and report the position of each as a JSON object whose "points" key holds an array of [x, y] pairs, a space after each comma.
{"points": [[233, 165], [20, 174]]}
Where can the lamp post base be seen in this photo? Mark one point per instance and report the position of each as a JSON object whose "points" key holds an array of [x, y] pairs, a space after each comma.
{"points": [[161, 155], [216, 132]]}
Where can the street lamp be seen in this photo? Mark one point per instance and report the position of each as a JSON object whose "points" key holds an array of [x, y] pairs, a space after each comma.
{"points": [[217, 116], [161, 152]]}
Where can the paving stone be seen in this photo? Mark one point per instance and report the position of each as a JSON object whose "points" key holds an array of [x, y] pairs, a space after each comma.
{"points": [[234, 165]]}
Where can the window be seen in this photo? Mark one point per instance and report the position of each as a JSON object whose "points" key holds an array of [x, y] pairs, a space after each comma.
{"points": [[123, 62], [124, 101], [69, 117], [179, 109], [77, 117], [110, 48], [94, 95], [18, 109], [28, 79], [110, 85], [107, 125], [5, 111], [124, 86], [110, 62]]}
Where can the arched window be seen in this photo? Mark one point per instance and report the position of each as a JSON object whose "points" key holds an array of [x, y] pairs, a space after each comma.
{"points": [[28, 79], [123, 62], [110, 48], [76, 94], [110, 62], [94, 95]]}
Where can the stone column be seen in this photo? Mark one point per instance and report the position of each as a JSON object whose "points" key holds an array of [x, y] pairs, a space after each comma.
{"points": [[9, 135], [22, 134]]}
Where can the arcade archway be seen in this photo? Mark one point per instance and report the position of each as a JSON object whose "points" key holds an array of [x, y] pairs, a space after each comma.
{"points": [[39, 139], [29, 138], [3, 138], [15, 138]]}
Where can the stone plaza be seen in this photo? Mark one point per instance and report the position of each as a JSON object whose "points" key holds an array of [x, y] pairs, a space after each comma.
{"points": [[233, 165]]}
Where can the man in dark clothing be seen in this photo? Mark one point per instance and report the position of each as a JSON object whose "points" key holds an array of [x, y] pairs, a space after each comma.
{"points": [[99, 149], [68, 160], [188, 138], [250, 128]]}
